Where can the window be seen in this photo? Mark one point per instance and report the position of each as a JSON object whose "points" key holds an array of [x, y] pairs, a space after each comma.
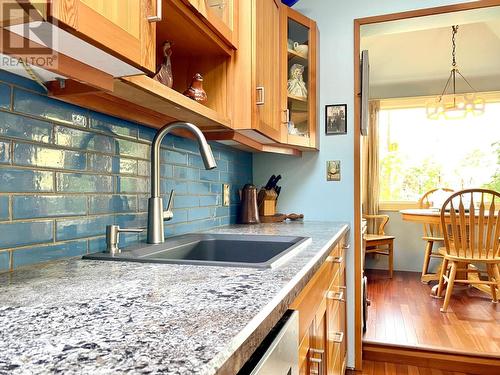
{"points": [[417, 154]]}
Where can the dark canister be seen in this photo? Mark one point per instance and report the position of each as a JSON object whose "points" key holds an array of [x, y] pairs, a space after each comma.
{"points": [[249, 213]]}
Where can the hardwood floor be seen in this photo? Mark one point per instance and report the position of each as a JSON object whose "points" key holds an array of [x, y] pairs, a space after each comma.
{"points": [[402, 312], [387, 368]]}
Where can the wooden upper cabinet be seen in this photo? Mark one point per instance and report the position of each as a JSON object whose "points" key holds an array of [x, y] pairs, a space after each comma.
{"points": [[120, 27], [266, 59], [299, 70], [256, 71]]}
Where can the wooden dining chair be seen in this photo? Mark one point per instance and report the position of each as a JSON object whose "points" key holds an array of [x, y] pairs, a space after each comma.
{"points": [[379, 242], [471, 228], [431, 233]]}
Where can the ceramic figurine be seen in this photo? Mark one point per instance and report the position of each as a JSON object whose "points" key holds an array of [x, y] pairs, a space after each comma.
{"points": [[164, 74], [296, 85], [195, 91]]}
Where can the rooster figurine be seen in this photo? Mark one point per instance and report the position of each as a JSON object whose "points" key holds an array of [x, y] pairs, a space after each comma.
{"points": [[164, 74], [195, 90]]}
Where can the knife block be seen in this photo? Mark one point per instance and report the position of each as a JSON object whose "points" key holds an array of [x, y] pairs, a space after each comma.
{"points": [[267, 201]]}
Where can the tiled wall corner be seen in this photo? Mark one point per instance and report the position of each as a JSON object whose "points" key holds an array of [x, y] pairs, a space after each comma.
{"points": [[67, 172]]}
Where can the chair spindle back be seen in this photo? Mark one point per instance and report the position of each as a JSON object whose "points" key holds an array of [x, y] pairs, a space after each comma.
{"points": [[472, 229]]}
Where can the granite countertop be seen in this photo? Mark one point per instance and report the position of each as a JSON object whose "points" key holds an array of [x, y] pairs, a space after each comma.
{"points": [[80, 316]]}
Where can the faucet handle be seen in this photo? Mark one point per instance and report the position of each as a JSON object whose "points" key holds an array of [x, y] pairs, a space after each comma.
{"points": [[171, 200], [168, 214]]}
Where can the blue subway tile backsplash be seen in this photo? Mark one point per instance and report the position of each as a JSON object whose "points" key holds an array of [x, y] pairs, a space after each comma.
{"points": [[84, 183], [41, 156], [16, 126], [39, 254], [34, 206], [76, 138], [66, 172], [25, 233], [4, 208], [48, 108], [4, 152], [14, 180]]}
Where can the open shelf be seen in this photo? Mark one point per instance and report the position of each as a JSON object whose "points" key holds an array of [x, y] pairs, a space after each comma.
{"points": [[195, 49], [294, 55], [297, 98], [151, 94]]}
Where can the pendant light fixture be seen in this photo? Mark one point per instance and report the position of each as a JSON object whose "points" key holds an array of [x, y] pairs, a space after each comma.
{"points": [[450, 105]]}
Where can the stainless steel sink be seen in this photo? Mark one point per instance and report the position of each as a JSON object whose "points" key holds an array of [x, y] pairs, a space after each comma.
{"points": [[230, 250]]}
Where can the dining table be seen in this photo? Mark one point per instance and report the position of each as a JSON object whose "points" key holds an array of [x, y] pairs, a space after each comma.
{"points": [[433, 216]]}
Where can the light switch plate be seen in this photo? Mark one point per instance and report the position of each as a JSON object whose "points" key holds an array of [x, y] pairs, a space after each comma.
{"points": [[225, 195]]}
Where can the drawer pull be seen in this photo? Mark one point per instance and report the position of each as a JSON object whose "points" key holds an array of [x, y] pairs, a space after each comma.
{"points": [[261, 95], [287, 116], [317, 361], [338, 337], [336, 296], [332, 259], [317, 351], [157, 17]]}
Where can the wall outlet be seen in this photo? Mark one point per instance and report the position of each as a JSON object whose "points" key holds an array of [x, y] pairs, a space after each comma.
{"points": [[226, 194]]}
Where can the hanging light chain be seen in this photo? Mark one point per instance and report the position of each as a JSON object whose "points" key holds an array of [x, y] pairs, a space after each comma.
{"points": [[454, 45]]}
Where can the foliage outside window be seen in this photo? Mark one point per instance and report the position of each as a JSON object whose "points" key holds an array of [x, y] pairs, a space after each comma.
{"points": [[417, 154]]}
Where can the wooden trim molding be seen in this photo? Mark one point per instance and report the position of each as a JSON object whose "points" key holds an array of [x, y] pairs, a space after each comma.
{"points": [[397, 206], [459, 362], [357, 156]]}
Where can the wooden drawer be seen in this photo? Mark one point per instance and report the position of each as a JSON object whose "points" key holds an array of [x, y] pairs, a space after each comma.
{"points": [[321, 306], [313, 295]]}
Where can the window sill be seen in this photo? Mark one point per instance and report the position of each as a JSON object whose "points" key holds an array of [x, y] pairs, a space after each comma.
{"points": [[397, 206]]}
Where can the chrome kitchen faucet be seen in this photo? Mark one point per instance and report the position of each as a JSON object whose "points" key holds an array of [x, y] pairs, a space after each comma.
{"points": [[156, 215]]}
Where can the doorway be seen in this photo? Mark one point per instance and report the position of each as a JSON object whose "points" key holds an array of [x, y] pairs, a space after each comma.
{"points": [[405, 280]]}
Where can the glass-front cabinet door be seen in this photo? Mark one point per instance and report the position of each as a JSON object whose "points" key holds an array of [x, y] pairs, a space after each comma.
{"points": [[220, 15], [299, 69]]}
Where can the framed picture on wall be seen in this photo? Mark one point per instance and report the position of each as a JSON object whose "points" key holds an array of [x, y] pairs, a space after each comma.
{"points": [[336, 119]]}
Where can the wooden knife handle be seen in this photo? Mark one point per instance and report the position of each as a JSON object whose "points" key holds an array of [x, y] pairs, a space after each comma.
{"points": [[295, 216]]}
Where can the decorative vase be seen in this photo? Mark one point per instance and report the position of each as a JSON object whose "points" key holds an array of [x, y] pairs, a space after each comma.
{"points": [[289, 2], [164, 74], [195, 91]]}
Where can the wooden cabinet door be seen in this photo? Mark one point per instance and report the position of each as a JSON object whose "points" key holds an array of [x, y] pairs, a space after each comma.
{"points": [[265, 48], [299, 94], [219, 15], [120, 27]]}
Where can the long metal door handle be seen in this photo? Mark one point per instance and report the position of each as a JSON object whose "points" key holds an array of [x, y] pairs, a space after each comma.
{"points": [[157, 17], [261, 95]]}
